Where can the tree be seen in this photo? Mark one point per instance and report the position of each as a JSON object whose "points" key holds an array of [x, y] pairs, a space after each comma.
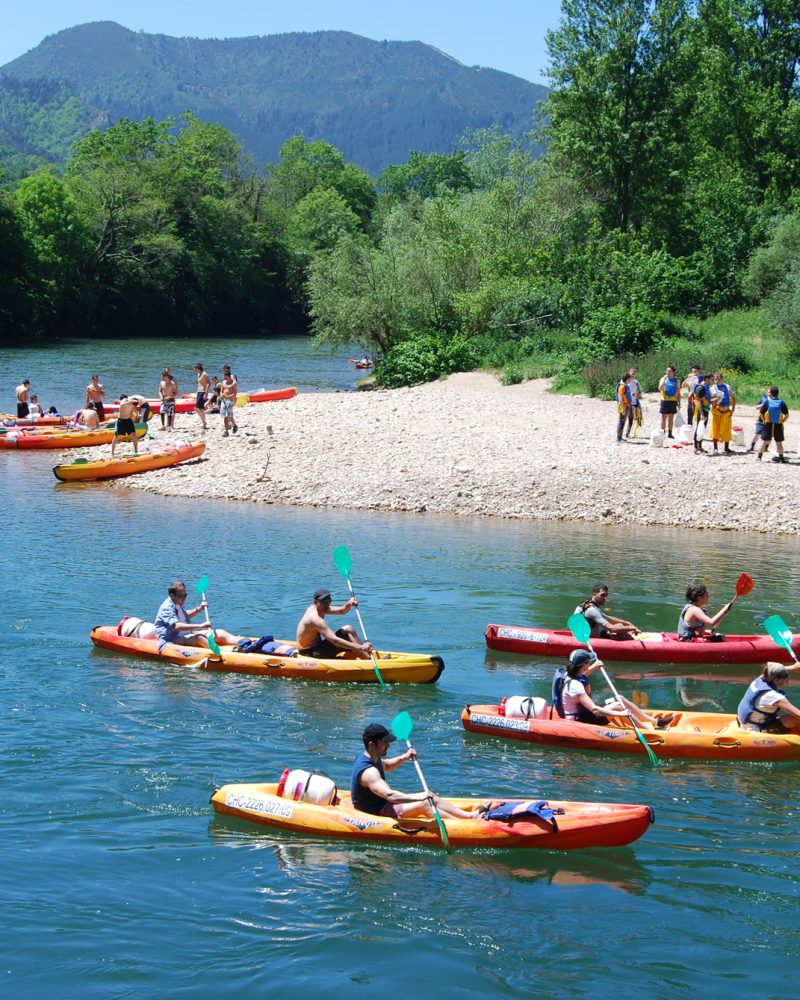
{"points": [[425, 175]]}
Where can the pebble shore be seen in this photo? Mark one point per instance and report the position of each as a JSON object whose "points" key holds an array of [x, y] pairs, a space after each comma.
{"points": [[468, 446]]}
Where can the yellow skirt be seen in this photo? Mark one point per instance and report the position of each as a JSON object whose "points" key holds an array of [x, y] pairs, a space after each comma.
{"points": [[721, 425]]}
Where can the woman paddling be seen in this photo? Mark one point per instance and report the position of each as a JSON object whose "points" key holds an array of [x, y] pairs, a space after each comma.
{"points": [[765, 707], [572, 693], [693, 619]]}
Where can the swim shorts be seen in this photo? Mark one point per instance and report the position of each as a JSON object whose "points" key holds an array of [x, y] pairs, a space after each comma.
{"points": [[668, 406], [124, 426], [200, 401], [771, 432], [226, 407]]}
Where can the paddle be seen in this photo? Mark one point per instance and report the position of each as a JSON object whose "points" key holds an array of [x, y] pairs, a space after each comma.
{"points": [[744, 585], [401, 725], [582, 631], [200, 587], [781, 634], [343, 563]]}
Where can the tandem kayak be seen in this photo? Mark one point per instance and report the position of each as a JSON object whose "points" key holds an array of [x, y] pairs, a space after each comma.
{"points": [[63, 439], [395, 668], [689, 736], [128, 465], [652, 647], [582, 824]]}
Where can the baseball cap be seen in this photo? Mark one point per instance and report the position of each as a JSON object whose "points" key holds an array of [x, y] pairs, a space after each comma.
{"points": [[581, 657], [323, 594], [375, 731]]}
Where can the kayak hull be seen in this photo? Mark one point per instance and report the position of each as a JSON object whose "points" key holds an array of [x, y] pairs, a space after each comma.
{"points": [[128, 465], [583, 825], [659, 647], [395, 668], [690, 735], [67, 439]]}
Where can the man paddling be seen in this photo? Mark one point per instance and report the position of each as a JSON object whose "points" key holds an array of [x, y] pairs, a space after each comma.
{"points": [[604, 626], [317, 639], [173, 622], [370, 792]]}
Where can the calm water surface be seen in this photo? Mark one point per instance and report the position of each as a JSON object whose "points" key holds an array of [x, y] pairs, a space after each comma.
{"points": [[117, 881]]}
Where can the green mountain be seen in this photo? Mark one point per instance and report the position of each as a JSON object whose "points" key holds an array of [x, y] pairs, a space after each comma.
{"points": [[376, 101]]}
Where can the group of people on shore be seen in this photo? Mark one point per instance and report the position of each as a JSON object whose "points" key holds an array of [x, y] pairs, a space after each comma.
{"points": [[212, 395], [710, 405]]}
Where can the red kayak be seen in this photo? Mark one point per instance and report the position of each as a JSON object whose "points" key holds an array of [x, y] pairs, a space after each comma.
{"points": [[652, 647]]}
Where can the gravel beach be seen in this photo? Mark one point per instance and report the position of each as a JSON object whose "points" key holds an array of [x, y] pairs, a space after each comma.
{"points": [[469, 445]]}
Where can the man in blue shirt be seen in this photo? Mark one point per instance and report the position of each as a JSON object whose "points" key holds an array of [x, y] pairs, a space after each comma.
{"points": [[173, 622]]}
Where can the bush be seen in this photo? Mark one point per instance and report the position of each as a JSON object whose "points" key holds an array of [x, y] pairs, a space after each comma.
{"points": [[615, 330], [423, 357]]}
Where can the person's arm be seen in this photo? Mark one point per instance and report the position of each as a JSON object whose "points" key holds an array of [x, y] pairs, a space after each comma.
{"points": [[327, 632], [390, 763], [733, 399], [371, 779], [595, 709], [342, 609], [696, 614], [786, 706], [182, 626]]}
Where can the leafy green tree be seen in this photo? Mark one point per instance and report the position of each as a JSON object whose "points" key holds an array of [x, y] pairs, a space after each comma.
{"points": [[17, 285], [318, 221], [425, 175]]}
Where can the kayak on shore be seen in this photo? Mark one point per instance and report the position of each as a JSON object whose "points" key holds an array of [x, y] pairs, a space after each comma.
{"points": [[651, 647], [63, 439], [581, 825], [395, 668], [127, 465], [688, 736]]}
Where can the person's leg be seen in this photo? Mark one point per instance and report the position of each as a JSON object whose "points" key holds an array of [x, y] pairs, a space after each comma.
{"points": [[114, 444], [620, 426], [135, 439], [225, 638]]}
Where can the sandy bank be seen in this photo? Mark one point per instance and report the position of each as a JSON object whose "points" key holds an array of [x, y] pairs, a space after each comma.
{"points": [[469, 445]]}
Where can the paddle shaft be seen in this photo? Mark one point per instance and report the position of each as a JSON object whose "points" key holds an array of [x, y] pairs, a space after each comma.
{"points": [[364, 633], [208, 619], [424, 783]]}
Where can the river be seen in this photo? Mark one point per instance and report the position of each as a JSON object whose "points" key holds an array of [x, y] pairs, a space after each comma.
{"points": [[118, 880]]}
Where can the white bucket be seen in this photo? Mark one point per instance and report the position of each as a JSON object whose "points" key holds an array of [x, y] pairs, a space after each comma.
{"points": [[738, 436], [303, 786], [686, 434], [657, 439], [525, 708]]}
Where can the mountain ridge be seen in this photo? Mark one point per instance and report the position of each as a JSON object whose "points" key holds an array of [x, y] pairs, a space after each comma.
{"points": [[375, 100]]}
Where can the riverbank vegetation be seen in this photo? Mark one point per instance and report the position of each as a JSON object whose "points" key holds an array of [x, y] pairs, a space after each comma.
{"points": [[663, 222]]}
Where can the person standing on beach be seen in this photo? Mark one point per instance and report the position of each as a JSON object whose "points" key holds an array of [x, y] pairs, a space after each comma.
{"points": [[774, 413], [94, 394], [23, 396], [723, 404], [636, 402], [227, 401], [759, 427], [226, 373], [670, 388], [167, 391], [125, 428], [624, 404], [689, 384], [203, 389], [702, 408]]}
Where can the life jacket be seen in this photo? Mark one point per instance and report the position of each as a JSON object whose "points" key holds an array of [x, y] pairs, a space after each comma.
{"points": [[669, 390], [689, 630], [508, 812], [560, 678], [724, 397], [628, 397], [774, 414], [749, 713], [702, 399]]}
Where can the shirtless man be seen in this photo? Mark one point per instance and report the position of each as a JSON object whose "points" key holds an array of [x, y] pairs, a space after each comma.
{"points": [[125, 429], [227, 401], [88, 418], [167, 391], [203, 390], [94, 394], [23, 395], [318, 640]]}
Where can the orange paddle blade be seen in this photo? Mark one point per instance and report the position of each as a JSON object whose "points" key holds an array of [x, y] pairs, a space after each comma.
{"points": [[744, 585]]}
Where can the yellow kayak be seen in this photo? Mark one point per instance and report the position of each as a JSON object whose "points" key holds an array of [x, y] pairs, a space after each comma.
{"points": [[127, 465]]}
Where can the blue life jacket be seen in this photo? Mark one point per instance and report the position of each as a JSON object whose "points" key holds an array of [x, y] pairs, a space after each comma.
{"points": [[774, 411], [724, 395], [628, 395], [560, 678], [364, 799], [749, 712], [508, 812], [689, 630], [669, 390]]}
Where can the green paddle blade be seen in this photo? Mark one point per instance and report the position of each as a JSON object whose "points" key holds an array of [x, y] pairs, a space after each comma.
{"points": [[342, 560], [579, 627], [779, 631], [401, 725], [212, 645], [202, 585]]}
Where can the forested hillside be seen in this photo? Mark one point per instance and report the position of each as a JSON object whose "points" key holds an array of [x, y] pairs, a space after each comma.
{"points": [[376, 101]]}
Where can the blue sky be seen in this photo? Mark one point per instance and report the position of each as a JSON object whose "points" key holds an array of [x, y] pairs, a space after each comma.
{"points": [[507, 35]]}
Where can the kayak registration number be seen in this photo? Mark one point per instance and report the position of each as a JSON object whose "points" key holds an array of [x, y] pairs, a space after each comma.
{"points": [[522, 633], [499, 722], [260, 804]]}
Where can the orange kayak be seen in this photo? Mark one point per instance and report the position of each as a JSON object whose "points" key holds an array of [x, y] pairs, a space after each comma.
{"points": [[396, 668], [63, 439], [127, 465], [689, 736], [582, 824], [264, 396]]}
